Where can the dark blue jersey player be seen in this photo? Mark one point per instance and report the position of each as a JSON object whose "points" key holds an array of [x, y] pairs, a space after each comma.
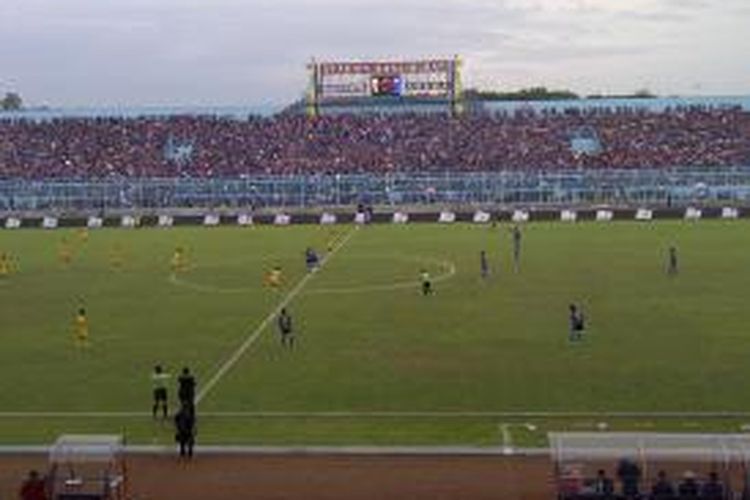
{"points": [[516, 231], [426, 282], [484, 266], [311, 260], [672, 268]]}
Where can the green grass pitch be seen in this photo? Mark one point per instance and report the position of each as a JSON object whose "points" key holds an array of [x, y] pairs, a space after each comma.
{"points": [[367, 340]]}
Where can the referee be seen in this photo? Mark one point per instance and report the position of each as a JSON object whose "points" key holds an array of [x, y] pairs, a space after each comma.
{"points": [[284, 322]]}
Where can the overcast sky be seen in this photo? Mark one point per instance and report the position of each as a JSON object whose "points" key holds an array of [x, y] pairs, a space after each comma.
{"points": [[209, 52]]}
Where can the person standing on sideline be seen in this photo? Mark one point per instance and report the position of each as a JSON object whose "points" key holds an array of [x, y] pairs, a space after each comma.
{"points": [[159, 379], [484, 267], [186, 391], [33, 488], [284, 322], [184, 422]]}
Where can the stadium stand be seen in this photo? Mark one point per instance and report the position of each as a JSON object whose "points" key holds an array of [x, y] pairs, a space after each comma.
{"points": [[208, 146]]}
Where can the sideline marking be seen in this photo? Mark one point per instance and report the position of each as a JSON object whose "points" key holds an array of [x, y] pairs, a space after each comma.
{"points": [[426, 450], [390, 414], [255, 334]]}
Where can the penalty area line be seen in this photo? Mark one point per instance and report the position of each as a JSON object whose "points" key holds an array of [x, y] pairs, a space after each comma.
{"points": [[255, 334]]}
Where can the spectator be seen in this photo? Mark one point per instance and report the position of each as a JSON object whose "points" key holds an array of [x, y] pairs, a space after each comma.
{"points": [[571, 482], [688, 488], [33, 488], [712, 489], [662, 488], [629, 475], [603, 486], [208, 146]]}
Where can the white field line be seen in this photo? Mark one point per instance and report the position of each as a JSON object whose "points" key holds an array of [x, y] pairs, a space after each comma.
{"points": [[392, 414], [304, 450], [207, 288], [448, 267], [450, 271], [173, 279], [74, 414], [255, 334], [507, 446]]}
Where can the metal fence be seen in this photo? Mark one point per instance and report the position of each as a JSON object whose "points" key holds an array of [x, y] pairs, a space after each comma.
{"points": [[676, 187]]}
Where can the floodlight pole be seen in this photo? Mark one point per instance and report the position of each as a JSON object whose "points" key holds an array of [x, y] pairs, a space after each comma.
{"points": [[312, 98]]}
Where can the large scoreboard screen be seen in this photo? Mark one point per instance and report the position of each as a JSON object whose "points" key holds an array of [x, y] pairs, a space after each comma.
{"points": [[387, 85], [336, 81]]}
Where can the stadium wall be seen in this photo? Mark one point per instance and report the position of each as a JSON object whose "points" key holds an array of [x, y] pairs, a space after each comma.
{"points": [[568, 215]]}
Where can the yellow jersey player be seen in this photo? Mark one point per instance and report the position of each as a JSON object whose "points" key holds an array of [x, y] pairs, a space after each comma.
{"points": [[179, 260], [83, 235], [274, 278], [5, 265], [81, 328], [332, 239], [65, 252], [116, 257]]}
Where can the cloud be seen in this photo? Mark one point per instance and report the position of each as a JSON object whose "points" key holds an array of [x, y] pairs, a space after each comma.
{"points": [[233, 51]]}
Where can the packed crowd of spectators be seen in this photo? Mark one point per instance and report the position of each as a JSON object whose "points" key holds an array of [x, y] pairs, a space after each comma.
{"points": [[202, 146]]}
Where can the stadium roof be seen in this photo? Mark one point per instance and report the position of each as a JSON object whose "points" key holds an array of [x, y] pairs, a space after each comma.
{"points": [[567, 446]]}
